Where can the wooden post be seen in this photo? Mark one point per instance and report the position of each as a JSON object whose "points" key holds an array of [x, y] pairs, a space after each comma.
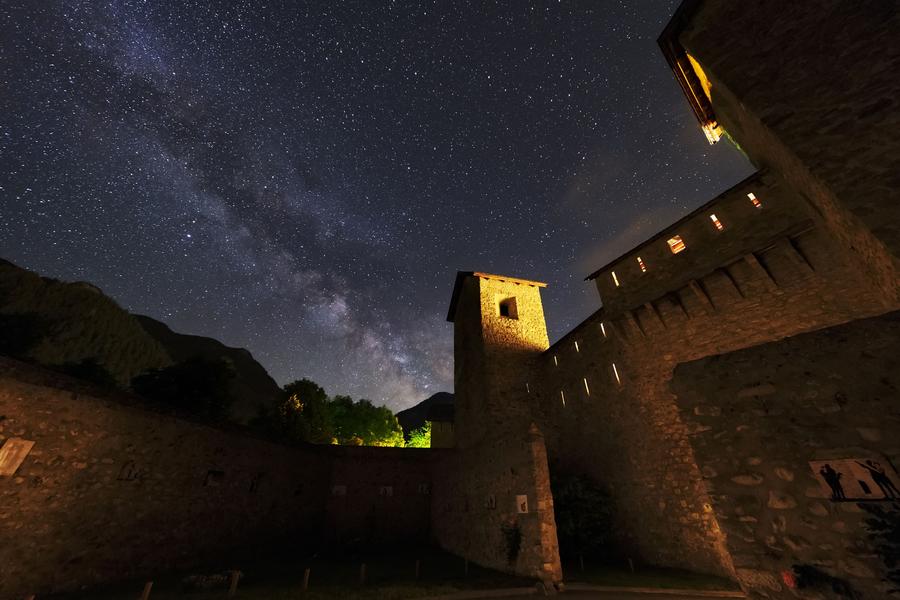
{"points": [[305, 579], [232, 587], [145, 595], [418, 565]]}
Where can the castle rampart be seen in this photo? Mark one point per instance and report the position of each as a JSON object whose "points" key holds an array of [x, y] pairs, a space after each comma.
{"points": [[113, 491], [772, 272]]}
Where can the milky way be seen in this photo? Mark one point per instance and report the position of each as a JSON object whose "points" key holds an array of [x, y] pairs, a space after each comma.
{"points": [[304, 180]]}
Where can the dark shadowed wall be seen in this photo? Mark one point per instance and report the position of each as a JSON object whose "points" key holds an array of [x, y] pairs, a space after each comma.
{"points": [[111, 491], [758, 416]]}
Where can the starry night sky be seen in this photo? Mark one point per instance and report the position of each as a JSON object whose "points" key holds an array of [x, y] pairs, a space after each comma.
{"points": [[304, 179]]}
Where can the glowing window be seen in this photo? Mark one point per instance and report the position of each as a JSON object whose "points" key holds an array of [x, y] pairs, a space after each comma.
{"points": [[555, 360], [527, 388], [508, 308], [603, 329], [715, 221], [616, 373], [586, 388], [576, 347], [615, 279], [562, 396], [676, 244], [641, 264], [754, 200]]}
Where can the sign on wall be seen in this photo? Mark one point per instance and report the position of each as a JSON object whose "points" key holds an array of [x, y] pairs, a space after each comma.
{"points": [[857, 479], [12, 454], [522, 503]]}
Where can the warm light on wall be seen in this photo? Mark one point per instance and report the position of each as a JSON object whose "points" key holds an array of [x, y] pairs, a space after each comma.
{"points": [[586, 388], [711, 128], [715, 220], [641, 264], [754, 200], [676, 244], [712, 131], [615, 279], [603, 329], [701, 75], [616, 373], [562, 396], [576, 347], [555, 360]]}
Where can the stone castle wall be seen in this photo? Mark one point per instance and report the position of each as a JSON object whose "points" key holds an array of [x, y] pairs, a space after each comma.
{"points": [[477, 511], [811, 93], [757, 416], [742, 287], [500, 455], [111, 491]]}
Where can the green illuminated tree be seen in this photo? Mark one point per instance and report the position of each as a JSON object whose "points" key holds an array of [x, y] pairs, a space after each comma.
{"points": [[421, 437]]}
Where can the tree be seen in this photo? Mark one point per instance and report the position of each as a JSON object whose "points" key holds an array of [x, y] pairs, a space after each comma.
{"points": [[305, 413], [373, 425], [20, 332], [89, 370], [197, 385], [583, 514], [421, 437]]}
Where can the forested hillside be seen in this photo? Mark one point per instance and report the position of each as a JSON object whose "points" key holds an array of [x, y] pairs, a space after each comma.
{"points": [[55, 323]]}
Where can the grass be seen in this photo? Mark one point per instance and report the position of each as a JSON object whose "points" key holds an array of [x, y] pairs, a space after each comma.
{"points": [[643, 576], [390, 575]]}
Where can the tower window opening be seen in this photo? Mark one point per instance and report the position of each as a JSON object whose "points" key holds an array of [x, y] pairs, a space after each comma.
{"points": [[640, 262], [586, 388], [616, 373], [676, 244], [562, 396], [715, 221], [754, 200], [603, 328], [508, 308], [614, 278], [576, 347]]}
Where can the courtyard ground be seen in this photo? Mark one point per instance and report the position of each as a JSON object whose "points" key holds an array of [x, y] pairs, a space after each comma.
{"points": [[389, 575]]}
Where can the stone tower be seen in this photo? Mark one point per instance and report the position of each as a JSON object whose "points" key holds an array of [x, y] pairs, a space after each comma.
{"points": [[499, 330]]}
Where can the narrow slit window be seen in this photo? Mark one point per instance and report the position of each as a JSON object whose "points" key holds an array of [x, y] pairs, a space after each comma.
{"points": [[587, 389], [508, 308], [562, 396], [576, 347], [527, 388], [555, 360], [603, 328], [715, 221], [615, 279], [640, 262], [616, 373], [676, 244], [754, 200]]}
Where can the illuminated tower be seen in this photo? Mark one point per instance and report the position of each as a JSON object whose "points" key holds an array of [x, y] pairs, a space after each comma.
{"points": [[499, 330]]}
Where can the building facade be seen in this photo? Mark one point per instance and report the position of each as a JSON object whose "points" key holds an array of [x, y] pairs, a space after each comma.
{"points": [[696, 394]]}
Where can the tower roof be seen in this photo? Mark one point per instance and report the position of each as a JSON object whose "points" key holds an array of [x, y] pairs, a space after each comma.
{"points": [[462, 275]]}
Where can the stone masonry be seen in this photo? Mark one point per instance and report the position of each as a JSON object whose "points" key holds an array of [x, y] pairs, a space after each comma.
{"points": [[809, 243]]}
